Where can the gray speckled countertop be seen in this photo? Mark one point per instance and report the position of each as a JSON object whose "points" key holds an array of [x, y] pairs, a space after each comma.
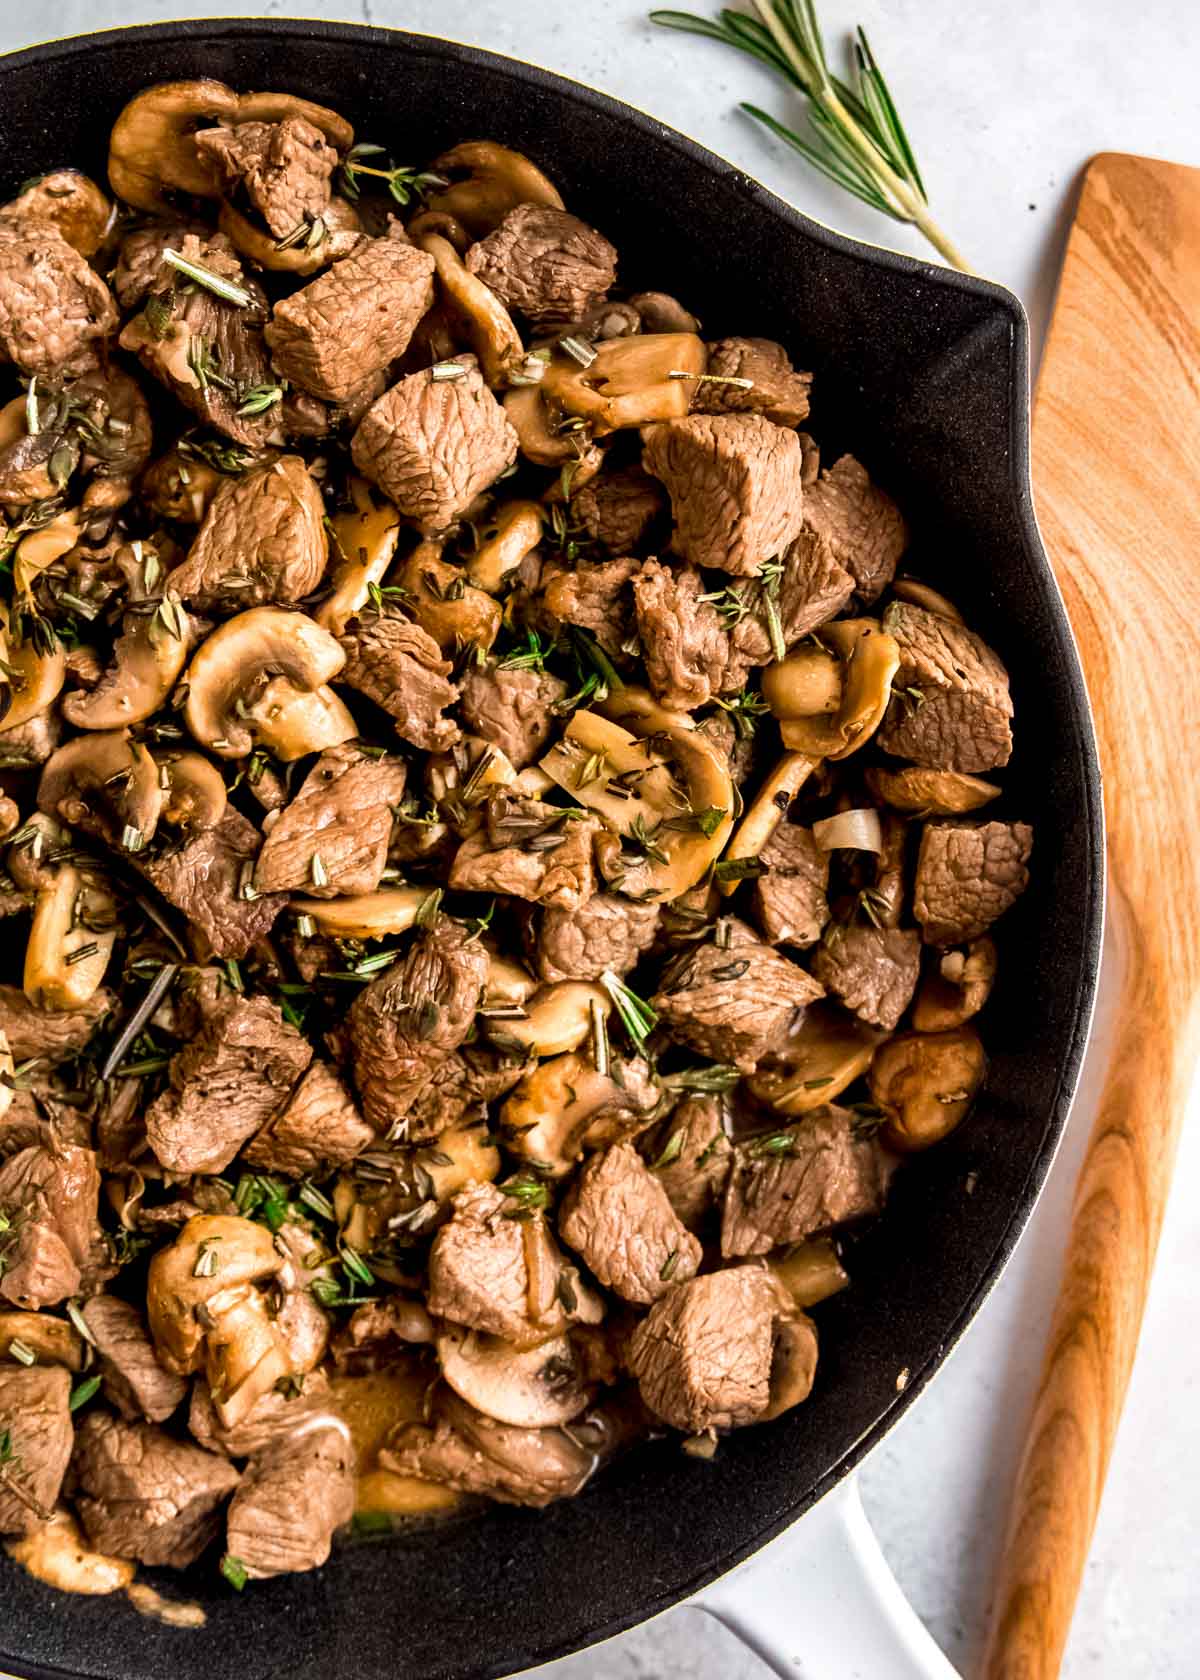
{"points": [[1005, 100]]}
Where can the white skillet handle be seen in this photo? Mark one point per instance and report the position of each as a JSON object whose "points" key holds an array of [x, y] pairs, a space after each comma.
{"points": [[820, 1603]]}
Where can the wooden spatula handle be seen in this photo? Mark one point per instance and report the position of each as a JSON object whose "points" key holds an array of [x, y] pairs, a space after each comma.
{"points": [[1116, 464]]}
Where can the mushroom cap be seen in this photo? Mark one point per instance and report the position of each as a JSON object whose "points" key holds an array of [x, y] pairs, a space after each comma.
{"points": [[196, 794], [491, 181], [365, 915], [71, 203], [151, 150], [871, 659], [82, 786], [33, 681], [930, 793], [148, 658], [342, 222], [242, 662], [925, 1083], [173, 1291], [827, 1052], [488, 326], [531, 1388]]}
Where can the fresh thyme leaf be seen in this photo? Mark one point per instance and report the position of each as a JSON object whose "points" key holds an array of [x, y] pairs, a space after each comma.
{"points": [[83, 1392], [673, 1150], [526, 1189], [669, 1264], [235, 1572]]}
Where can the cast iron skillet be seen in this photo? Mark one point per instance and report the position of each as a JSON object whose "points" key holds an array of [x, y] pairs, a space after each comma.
{"points": [[924, 374]]}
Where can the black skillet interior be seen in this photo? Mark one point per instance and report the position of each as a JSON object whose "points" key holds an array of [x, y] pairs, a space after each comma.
{"points": [[925, 375]]}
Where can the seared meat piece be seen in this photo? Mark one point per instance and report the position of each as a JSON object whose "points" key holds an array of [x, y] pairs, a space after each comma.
{"points": [[873, 971], [348, 324], [52, 1243], [262, 540], [595, 598], [54, 309], [292, 1497], [145, 1495], [513, 709], [275, 1415], [465, 1450], [432, 445], [282, 167], [685, 643], [950, 707], [789, 900], [24, 1126], [529, 850], [967, 875], [618, 1218], [702, 1354], [608, 932], [31, 743], [185, 333], [398, 665], [618, 509], [204, 878], [659, 312], [224, 1085], [692, 1157], [734, 483], [546, 264], [140, 257], [779, 391], [48, 1034], [813, 588], [799, 1181], [491, 1271], [342, 814], [36, 1421], [862, 524], [459, 1091], [733, 1004], [134, 1381], [318, 1130], [406, 1022]]}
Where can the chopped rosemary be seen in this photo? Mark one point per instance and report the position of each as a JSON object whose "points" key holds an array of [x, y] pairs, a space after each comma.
{"points": [[83, 1392], [579, 350], [712, 378], [318, 871], [713, 1077], [738, 869], [258, 398], [354, 1265], [427, 911], [81, 953], [315, 1199], [207, 1259], [527, 1189], [669, 1264], [235, 1572], [673, 1150], [636, 1014], [132, 839], [75, 1314], [599, 1036], [445, 372], [22, 1352], [215, 283]]}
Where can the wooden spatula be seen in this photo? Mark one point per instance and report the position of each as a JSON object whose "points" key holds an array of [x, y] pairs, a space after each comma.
{"points": [[1116, 467]]}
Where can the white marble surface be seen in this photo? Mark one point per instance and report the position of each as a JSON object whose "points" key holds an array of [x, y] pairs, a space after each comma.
{"points": [[1005, 101]]}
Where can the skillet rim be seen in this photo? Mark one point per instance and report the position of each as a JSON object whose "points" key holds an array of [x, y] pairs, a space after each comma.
{"points": [[1077, 706]]}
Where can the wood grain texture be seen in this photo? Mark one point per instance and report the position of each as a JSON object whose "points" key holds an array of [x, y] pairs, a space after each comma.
{"points": [[1116, 467]]}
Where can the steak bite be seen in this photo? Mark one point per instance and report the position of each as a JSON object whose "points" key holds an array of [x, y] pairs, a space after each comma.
{"points": [[403, 1025], [262, 540], [284, 168], [318, 1129], [48, 1035], [873, 971], [512, 709], [144, 1495], [459, 1091], [35, 1421], [619, 509], [224, 1085], [778, 391], [55, 310], [530, 850], [293, 1496], [734, 483], [398, 665], [134, 1381], [950, 707], [594, 598], [968, 873], [686, 646], [692, 1157], [432, 445], [789, 900], [798, 1182], [618, 1218], [204, 878], [607, 932], [861, 523], [733, 1004], [342, 815], [812, 589], [352, 321], [546, 264], [52, 1243]]}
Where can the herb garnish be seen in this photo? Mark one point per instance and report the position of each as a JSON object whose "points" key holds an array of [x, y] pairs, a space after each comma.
{"points": [[235, 1572], [229, 290], [636, 1014], [405, 185]]}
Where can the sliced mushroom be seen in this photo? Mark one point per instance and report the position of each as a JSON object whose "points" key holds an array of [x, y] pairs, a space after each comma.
{"points": [[870, 660], [828, 1051], [486, 181], [457, 1157], [557, 1018], [41, 548], [766, 811], [921, 595], [30, 680], [57, 1553], [957, 990], [340, 225], [53, 1341], [811, 1272], [808, 683], [925, 1083], [548, 443], [270, 107], [793, 1364], [245, 1351], [152, 152], [630, 381], [196, 798], [531, 1388], [105, 784], [444, 601], [148, 659], [364, 538], [513, 532], [930, 793], [563, 1106], [70, 941], [69, 202], [509, 985], [367, 916], [485, 322], [178, 1294], [260, 677]]}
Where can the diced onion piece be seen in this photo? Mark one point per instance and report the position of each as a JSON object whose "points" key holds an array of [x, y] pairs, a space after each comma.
{"points": [[858, 830]]}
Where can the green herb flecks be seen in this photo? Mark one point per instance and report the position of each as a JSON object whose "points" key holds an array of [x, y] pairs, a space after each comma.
{"points": [[406, 185], [637, 1017]]}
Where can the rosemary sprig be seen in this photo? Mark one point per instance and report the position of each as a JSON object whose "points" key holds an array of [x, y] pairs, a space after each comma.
{"points": [[229, 290], [855, 138], [636, 1014]]}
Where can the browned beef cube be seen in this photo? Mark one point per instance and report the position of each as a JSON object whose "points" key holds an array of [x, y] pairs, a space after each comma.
{"points": [[145, 1495], [549, 859], [398, 665], [797, 1182], [617, 1216], [789, 899], [596, 598], [54, 308], [608, 932], [140, 257], [135, 1382], [52, 1244], [513, 709], [813, 588], [734, 1004], [734, 483], [691, 1158], [262, 540], [283, 168], [618, 509], [35, 1419], [686, 646], [204, 879], [546, 264], [861, 523], [48, 1034], [778, 391], [342, 815], [950, 707], [872, 971], [319, 1129], [459, 1091], [293, 1496], [224, 1085], [349, 323], [432, 445], [967, 875]]}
